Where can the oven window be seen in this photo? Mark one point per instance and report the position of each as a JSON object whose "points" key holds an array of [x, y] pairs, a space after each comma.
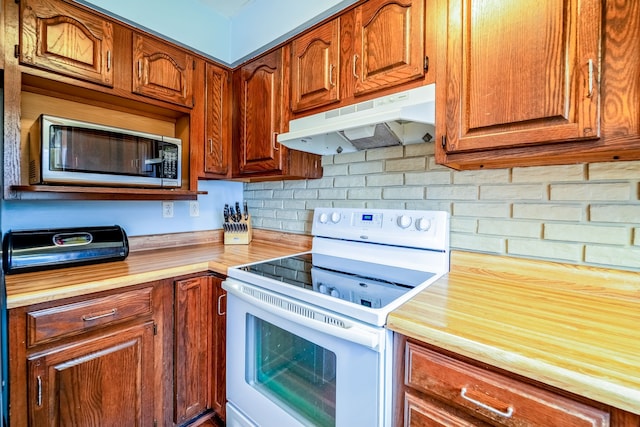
{"points": [[293, 372]]}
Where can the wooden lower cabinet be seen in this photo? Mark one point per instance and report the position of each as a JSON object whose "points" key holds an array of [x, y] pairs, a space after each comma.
{"points": [[423, 412], [88, 361], [437, 389], [199, 331], [146, 355], [82, 383], [192, 367], [199, 349], [219, 377]]}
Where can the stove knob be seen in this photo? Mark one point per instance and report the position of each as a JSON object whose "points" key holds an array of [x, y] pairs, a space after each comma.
{"points": [[334, 293], [323, 218], [322, 288], [404, 221], [335, 217], [423, 224]]}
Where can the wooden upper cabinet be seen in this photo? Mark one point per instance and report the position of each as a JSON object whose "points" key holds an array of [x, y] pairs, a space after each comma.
{"points": [[315, 67], [62, 38], [217, 152], [162, 71], [519, 73], [388, 45], [258, 87]]}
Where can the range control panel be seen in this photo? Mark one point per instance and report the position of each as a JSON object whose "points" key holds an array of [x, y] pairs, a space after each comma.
{"points": [[412, 228]]}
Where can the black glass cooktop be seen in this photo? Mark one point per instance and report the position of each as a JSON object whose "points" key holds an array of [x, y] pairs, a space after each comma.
{"points": [[364, 283]]}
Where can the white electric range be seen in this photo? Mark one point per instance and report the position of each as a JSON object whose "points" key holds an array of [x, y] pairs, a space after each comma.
{"points": [[306, 342]]}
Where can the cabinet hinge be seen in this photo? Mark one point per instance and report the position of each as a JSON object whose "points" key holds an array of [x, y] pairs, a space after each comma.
{"points": [[426, 64], [16, 49], [155, 329]]}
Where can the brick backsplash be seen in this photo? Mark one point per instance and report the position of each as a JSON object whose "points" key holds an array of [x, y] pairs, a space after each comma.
{"points": [[581, 214]]}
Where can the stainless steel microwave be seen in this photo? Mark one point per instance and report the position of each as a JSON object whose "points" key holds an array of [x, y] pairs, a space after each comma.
{"points": [[66, 151]]}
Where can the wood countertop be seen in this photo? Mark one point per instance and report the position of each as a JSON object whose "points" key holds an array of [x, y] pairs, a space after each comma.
{"points": [[572, 327], [139, 267]]}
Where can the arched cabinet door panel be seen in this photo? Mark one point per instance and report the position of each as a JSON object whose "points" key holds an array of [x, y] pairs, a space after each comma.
{"points": [[162, 72], [388, 44], [58, 37], [260, 100], [315, 68]]}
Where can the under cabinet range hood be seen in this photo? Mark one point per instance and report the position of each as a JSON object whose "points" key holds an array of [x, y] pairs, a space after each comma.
{"points": [[401, 118]]}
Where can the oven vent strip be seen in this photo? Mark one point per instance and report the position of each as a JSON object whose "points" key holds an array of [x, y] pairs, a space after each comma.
{"points": [[294, 308]]}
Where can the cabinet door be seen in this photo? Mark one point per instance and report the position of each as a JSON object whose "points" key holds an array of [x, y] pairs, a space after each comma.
{"points": [[260, 103], [219, 376], [192, 347], [315, 68], [161, 71], [59, 37], [95, 382], [217, 157], [519, 72], [388, 44]]}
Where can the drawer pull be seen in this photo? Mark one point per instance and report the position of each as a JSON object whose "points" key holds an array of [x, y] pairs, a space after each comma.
{"points": [[89, 317], [507, 414]]}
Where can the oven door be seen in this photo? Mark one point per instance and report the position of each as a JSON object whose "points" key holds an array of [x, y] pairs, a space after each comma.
{"points": [[291, 364]]}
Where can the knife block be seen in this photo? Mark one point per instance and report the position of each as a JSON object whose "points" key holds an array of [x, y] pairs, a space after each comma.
{"points": [[237, 233]]}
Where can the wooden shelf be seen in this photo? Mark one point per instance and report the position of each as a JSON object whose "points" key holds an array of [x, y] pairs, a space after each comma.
{"points": [[53, 192]]}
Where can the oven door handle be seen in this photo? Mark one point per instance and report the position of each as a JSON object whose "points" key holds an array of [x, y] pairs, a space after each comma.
{"points": [[364, 335]]}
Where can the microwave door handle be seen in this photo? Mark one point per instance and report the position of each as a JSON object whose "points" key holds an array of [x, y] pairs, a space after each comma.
{"points": [[353, 332], [155, 161]]}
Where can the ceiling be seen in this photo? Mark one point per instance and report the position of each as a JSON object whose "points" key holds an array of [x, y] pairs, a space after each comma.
{"points": [[227, 8]]}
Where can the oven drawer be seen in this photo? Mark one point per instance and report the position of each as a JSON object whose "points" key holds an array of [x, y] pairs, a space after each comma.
{"points": [[492, 396], [70, 319]]}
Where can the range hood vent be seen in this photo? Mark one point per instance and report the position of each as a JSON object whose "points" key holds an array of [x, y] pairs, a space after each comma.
{"points": [[402, 118]]}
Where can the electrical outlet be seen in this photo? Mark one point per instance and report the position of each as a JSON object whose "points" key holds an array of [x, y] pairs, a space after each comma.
{"points": [[194, 208], [167, 209]]}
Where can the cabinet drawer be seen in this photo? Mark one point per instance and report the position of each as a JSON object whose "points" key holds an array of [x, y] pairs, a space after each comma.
{"points": [[422, 413], [55, 322], [492, 396]]}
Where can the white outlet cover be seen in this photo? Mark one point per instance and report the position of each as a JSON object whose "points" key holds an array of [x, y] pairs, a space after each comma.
{"points": [[167, 209], [194, 208]]}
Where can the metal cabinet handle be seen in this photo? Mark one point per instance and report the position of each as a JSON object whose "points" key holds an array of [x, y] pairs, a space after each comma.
{"points": [[355, 60], [139, 69], [38, 390], [274, 138], [220, 312], [108, 60], [507, 414], [89, 317], [210, 146], [331, 68], [590, 68]]}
